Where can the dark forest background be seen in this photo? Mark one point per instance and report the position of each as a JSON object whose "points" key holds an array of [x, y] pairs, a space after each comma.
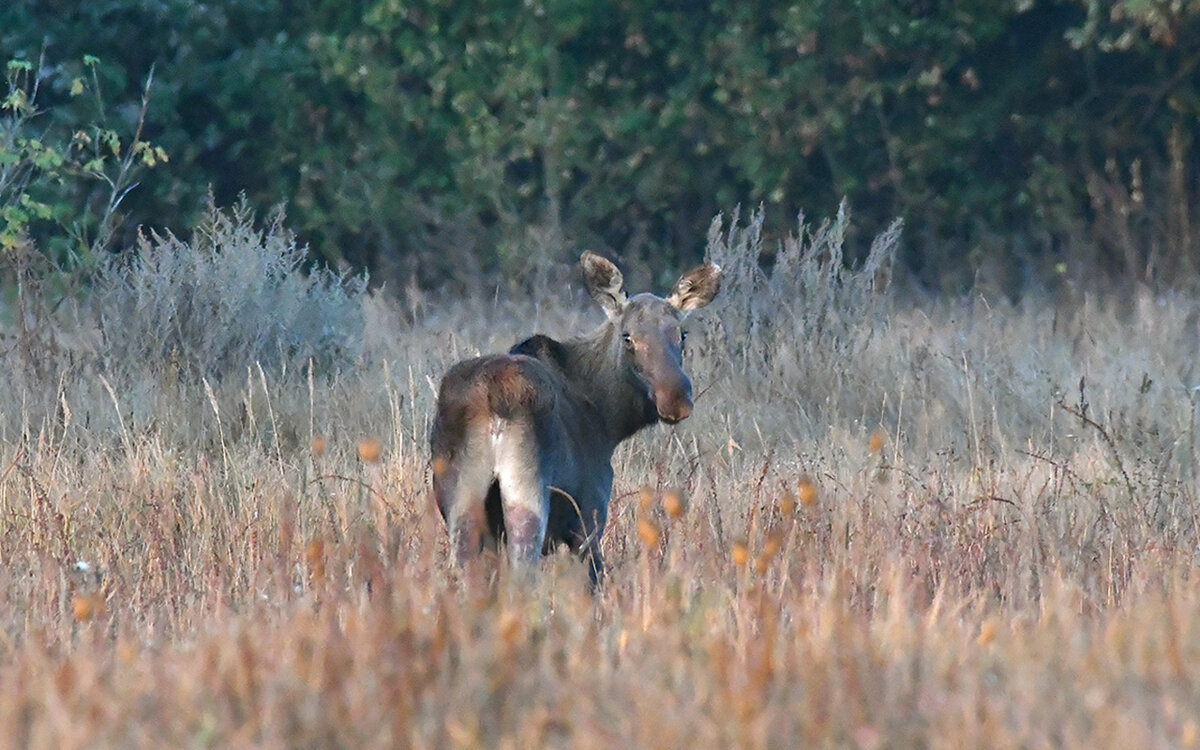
{"points": [[1023, 142]]}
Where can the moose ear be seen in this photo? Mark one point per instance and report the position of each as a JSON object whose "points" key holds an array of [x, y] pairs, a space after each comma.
{"points": [[604, 282], [696, 288]]}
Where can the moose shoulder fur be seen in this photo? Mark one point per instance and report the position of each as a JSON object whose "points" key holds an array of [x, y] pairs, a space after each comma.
{"points": [[522, 442]]}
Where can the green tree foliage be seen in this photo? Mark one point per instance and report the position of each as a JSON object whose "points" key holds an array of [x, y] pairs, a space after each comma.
{"points": [[1017, 138], [62, 183]]}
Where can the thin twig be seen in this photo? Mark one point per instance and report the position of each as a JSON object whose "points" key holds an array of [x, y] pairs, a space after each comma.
{"points": [[382, 498], [1108, 440]]}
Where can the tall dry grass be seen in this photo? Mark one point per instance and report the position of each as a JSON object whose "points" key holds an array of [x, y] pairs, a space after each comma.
{"points": [[890, 522]]}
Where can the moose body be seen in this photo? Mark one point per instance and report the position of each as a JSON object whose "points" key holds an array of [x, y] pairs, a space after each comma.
{"points": [[522, 442]]}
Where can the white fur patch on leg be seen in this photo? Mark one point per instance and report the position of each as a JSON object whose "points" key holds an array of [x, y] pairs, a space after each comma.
{"points": [[524, 498]]}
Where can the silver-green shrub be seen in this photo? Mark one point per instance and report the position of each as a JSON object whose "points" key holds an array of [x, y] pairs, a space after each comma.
{"points": [[233, 295]]}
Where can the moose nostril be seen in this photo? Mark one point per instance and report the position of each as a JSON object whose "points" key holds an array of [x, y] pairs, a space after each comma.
{"points": [[672, 410], [683, 410]]}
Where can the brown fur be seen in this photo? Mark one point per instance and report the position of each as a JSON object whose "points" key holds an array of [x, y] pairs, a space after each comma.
{"points": [[513, 387]]}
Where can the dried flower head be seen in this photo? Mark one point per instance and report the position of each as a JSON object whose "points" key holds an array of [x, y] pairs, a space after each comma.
{"points": [[787, 503], [772, 543], [807, 491], [314, 555], [369, 450], [762, 563], [876, 441], [740, 553], [81, 607], [85, 607], [987, 633], [645, 500], [648, 531], [673, 505], [440, 466]]}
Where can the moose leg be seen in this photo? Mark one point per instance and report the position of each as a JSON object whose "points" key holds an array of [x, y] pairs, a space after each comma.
{"points": [[524, 498], [460, 485], [579, 529], [595, 561], [589, 550]]}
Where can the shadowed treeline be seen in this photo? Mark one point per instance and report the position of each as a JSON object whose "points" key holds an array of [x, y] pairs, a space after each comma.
{"points": [[1024, 143]]}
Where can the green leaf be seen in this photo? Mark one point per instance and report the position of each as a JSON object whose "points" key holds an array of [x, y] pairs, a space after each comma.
{"points": [[16, 101]]}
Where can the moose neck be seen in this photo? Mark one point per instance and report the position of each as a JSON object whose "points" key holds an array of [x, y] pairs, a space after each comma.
{"points": [[597, 363]]}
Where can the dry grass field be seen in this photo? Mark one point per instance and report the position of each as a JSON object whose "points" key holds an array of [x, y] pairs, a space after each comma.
{"points": [[889, 523]]}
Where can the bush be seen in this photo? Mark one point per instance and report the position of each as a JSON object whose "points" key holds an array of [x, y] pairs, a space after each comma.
{"points": [[796, 312], [804, 283], [231, 296]]}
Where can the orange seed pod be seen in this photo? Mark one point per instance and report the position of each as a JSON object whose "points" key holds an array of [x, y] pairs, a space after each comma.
{"points": [[672, 504], [807, 491], [876, 441], [648, 531], [645, 500], [369, 450], [740, 553]]}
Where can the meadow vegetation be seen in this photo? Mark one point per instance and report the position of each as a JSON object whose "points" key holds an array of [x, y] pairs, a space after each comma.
{"points": [[890, 522]]}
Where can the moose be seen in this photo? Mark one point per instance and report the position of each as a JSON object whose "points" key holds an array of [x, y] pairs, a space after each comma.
{"points": [[522, 442]]}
